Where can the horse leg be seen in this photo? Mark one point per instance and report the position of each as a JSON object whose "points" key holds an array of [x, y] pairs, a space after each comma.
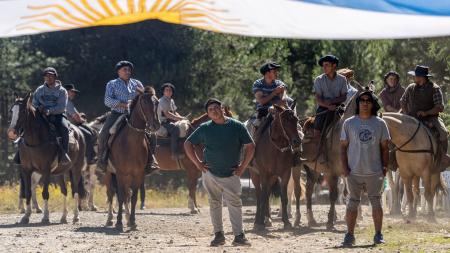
{"points": [[45, 196], [35, 177], [63, 187], [120, 200], [142, 195], [266, 186], [284, 199], [75, 178], [27, 189], [92, 182], [332, 184], [311, 179], [290, 191], [268, 213], [430, 185], [416, 192], [410, 197], [395, 189], [21, 193], [110, 197], [192, 177], [259, 223], [297, 191], [132, 221]]}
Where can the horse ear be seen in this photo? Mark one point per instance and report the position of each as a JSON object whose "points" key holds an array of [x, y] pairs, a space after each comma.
{"points": [[293, 104], [279, 108]]}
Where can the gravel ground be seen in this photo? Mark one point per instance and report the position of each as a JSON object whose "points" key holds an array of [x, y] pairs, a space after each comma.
{"points": [[175, 230]]}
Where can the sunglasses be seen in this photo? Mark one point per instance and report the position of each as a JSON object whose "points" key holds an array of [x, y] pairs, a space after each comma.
{"points": [[362, 100]]}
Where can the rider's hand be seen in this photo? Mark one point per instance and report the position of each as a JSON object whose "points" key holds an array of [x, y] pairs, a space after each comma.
{"points": [[421, 114], [280, 89]]}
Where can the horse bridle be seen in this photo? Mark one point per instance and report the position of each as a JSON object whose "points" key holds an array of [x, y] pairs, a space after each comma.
{"points": [[286, 137], [141, 111]]}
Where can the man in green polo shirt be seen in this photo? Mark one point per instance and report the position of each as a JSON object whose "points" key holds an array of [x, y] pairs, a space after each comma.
{"points": [[223, 139]]}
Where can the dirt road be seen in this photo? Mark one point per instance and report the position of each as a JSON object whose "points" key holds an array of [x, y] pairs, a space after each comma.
{"points": [[175, 230]]}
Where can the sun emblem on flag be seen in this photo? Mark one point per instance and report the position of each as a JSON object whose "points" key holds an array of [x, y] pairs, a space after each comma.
{"points": [[70, 14]]}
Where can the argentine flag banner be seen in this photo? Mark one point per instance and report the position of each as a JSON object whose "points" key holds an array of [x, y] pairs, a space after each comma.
{"points": [[306, 19]]}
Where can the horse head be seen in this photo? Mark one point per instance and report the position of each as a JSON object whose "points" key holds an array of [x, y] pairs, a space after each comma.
{"points": [[145, 106], [18, 116], [286, 122]]}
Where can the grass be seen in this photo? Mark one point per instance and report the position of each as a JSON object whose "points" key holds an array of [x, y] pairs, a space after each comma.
{"points": [[154, 198], [417, 236]]}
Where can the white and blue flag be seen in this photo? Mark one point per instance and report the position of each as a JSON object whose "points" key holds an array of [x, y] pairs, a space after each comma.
{"points": [[307, 19]]}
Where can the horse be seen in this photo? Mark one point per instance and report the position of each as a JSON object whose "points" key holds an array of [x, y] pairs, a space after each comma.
{"points": [[128, 157], [332, 168], [415, 149], [278, 140], [167, 163], [38, 150]]}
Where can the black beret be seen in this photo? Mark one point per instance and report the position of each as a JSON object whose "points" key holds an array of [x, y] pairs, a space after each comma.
{"points": [[211, 101], [122, 64], [266, 67], [329, 58], [50, 70]]}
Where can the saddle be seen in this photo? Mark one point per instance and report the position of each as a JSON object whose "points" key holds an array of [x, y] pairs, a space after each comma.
{"points": [[183, 125], [116, 128]]}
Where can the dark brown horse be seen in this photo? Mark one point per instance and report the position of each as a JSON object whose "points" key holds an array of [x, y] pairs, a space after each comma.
{"points": [[38, 152], [129, 155], [274, 158], [167, 163]]}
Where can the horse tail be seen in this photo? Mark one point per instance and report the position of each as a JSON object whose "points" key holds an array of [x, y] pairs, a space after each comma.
{"points": [[442, 186]]}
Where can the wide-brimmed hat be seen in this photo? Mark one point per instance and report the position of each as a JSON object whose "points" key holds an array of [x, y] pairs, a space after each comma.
{"points": [[420, 70], [50, 70], [329, 58], [268, 66], [122, 64], [71, 87]]}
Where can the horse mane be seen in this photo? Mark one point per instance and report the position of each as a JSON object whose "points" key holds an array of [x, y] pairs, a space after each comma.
{"points": [[201, 118], [134, 102]]}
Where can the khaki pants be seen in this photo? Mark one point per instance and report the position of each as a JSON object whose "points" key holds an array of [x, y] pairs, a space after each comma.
{"points": [[373, 185], [440, 126], [230, 189]]}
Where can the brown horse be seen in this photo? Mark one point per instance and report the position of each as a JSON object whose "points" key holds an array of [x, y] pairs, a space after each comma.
{"points": [[167, 163], [332, 169], [38, 152], [274, 158], [129, 155]]}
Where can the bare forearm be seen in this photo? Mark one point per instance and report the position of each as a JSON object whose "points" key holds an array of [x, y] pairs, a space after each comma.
{"points": [[385, 154], [435, 110], [344, 158], [265, 99], [339, 100], [190, 152], [249, 152]]}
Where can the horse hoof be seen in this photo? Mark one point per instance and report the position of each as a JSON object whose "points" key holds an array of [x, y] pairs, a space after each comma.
{"points": [[259, 227], [287, 225], [109, 223], [133, 227], [22, 211], [25, 220], [330, 226], [297, 224], [75, 220], [63, 221], [38, 210], [312, 223], [45, 221], [93, 209], [119, 227], [194, 212]]}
